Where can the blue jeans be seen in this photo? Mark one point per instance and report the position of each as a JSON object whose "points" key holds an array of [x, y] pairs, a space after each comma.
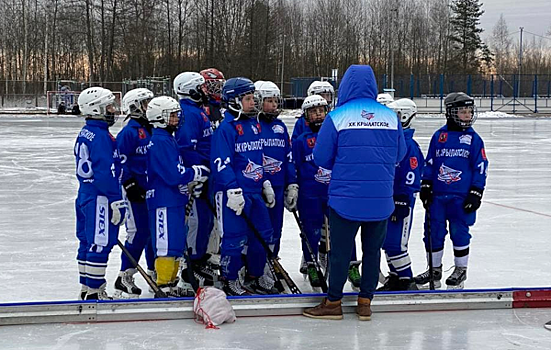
{"points": [[343, 234]]}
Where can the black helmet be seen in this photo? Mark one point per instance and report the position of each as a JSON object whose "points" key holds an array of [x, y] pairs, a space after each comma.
{"points": [[458, 102]]}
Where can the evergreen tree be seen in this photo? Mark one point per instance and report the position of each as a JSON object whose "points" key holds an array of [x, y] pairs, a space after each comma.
{"points": [[467, 47]]}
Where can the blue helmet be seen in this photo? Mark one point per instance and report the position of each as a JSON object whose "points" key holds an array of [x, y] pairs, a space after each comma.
{"points": [[233, 91]]}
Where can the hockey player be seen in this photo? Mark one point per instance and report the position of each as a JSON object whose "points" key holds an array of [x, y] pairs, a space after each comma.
{"points": [[168, 181], [407, 182], [385, 98], [214, 81], [242, 189], [132, 142], [452, 186], [323, 89], [313, 182], [277, 157], [194, 141], [100, 207]]}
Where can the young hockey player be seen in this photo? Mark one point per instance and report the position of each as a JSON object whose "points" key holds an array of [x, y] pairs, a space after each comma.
{"points": [[407, 182], [194, 136], [278, 159], [214, 81], [452, 186], [242, 190], [100, 208], [313, 182], [132, 142], [323, 89], [169, 184]]}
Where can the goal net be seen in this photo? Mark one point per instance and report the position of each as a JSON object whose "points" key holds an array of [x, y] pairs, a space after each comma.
{"points": [[66, 102]]}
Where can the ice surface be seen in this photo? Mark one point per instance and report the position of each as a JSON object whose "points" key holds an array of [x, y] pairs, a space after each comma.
{"points": [[510, 247]]}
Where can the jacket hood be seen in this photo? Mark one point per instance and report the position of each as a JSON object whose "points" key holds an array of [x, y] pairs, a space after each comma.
{"points": [[358, 82]]}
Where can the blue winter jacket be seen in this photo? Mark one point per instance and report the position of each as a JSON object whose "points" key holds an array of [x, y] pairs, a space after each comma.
{"points": [[361, 141], [277, 158], [132, 141], [408, 172]]}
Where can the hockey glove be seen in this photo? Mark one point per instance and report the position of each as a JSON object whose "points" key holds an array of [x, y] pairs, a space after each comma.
{"points": [[236, 201], [472, 202], [201, 173], [291, 197], [401, 207], [134, 192], [426, 193], [118, 216], [268, 194]]}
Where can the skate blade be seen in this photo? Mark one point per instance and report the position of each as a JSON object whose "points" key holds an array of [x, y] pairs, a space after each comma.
{"points": [[437, 285], [458, 287], [121, 295]]}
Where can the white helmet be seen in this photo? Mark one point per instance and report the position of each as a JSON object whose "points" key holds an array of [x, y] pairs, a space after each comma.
{"points": [[263, 90], [159, 110], [384, 98], [313, 101], [93, 103], [133, 102], [189, 85], [322, 87], [406, 110]]}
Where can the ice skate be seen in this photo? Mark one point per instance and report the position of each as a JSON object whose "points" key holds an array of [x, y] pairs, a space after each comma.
{"points": [[313, 276], [457, 278], [234, 288], [125, 286], [260, 285], [423, 279], [153, 275], [304, 268], [83, 292], [391, 283], [98, 294]]}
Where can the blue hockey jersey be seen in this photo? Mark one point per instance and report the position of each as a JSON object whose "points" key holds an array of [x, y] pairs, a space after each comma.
{"points": [[277, 155], [299, 128], [167, 177], [194, 134], [236, 156], [456, 161], [407, 179], [313, 180], [98, 165], [132, 142]]}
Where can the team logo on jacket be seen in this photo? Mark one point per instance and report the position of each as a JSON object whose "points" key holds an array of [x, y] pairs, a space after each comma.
{"points": [[413, 163], [141, 134], [443, 137], [255, 129], [484, 154], [271, 165], [466, 139], [278, 129], [448, 175], [323, 176], [311, 142], [239, 129], [253, 171], [367, 115], [205, 118]]}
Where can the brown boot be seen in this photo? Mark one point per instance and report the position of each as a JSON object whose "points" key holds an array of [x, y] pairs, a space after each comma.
{"points": [[327, 310], [363, 310]]}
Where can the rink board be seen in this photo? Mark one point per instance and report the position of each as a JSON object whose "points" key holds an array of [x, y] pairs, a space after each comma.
{"points": [[182, 308]]}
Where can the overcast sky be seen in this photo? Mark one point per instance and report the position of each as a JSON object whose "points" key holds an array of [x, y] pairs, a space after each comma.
{"points": [[533, 15]]}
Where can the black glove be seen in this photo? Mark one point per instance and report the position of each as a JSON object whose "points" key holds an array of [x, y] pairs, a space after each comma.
{"points": [[426, 193], [134, 192], [401, 207], [472, 202]]}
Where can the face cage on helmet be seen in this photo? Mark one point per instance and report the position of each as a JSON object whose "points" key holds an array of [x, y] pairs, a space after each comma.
{"points": [[139, 111], [307, 117], [163, 120], [259, 105], [214, 88], [407, 123], [453, 113], [237, 106]]}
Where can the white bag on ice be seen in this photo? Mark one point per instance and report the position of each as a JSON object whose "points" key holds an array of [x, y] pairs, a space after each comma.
{"points": [[212, 308]]}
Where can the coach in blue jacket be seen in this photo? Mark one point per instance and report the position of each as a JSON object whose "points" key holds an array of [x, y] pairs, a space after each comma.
{"points": [[361, 141]]}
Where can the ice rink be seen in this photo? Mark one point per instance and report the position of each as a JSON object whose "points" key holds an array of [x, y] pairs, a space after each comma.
{"points": [[511, 247]]}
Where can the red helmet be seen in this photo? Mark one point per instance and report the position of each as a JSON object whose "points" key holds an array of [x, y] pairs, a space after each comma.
{"points": [[214, 80]]}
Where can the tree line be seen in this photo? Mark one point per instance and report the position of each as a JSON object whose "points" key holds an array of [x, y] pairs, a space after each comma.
{"points": [[112, 40]]}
